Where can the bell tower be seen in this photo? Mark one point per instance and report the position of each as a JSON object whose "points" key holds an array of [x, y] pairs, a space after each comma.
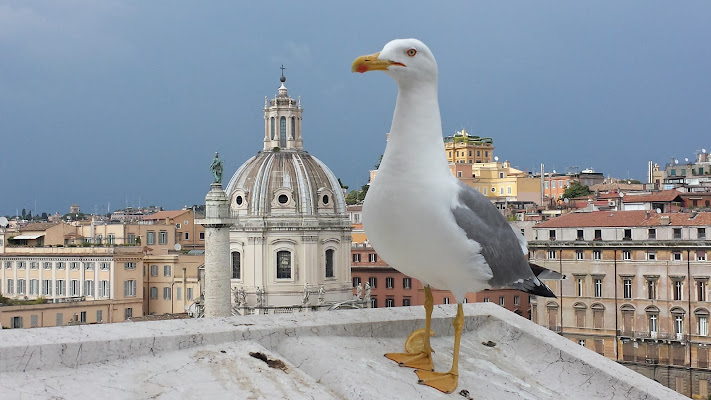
{"points": [[282, 120]]}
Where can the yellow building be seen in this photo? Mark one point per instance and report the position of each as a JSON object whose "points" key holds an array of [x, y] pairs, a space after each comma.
{"points": [[171, 282], [462, 148], [498, 181]]}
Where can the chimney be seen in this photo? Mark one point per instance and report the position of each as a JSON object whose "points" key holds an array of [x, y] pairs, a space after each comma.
{"points": [[664, 220]]}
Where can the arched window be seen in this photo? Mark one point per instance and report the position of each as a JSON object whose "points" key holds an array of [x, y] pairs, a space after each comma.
{"points": [[282, 132], [329, 263], [283, 264], [236, 265], [273, 131], [293, 127]]}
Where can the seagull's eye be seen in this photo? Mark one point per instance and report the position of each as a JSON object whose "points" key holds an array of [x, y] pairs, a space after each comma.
{"points": [[411, 52]]}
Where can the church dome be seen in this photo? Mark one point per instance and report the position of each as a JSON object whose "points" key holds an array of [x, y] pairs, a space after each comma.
{"points": [[283, 179], [285, 182]]}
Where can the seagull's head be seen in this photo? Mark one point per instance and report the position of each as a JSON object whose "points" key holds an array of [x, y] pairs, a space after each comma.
{"points": [[405, 60]]}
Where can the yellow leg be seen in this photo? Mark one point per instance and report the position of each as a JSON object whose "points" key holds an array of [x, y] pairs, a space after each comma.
{"points": [[418, 351], [447, 381]]}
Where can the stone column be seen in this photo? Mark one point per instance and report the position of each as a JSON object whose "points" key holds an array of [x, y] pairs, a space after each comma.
{"points": [[218, 270]]}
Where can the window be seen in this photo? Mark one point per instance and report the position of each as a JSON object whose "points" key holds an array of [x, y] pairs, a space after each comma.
{"points": [[89, 288], [89, 266], [166, 270], [189, 293], [626, 255], [701, 233], [154, 270], [597, 255], [8, 264], [373, 282], [46, 287], [166, 293], [551, 254], [373, 302], [652, 234], [178, 293], [82, 317], [516, 300], [60, 287], [677, 233], [676, 256], [34, 265], [389, 283], [74, 265], [406, 283], [627, 288], [129, 265], [486, 300], [21, 265], [282, 132], [445, 300], [16, 322], [651, 255], [598, 234], [74, 287], [356, 281], [502, 301], [99, 316], [283, 265], [406, 302], [104, 289], [98, 239], [329, 263], [186, 236], [628, 234], [129, 288], [701, 290], [356, 257], [150, 237], [579, 283], [580, 234], [21, 286], [598, 287], [110, 238], [551, 234], [34, 286], [651, 286], [700, 255], [703, 325], [128, 313], [678, 286], [130, 239], [679, 324], [60, 265], [162, 237], [373, 257], [104, 266], [236, 265], [653, 324], [389, 302], [579, 255], [154, 292]]}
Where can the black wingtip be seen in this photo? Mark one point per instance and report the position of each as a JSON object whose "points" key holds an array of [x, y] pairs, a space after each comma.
{"points": [[541, 290]]}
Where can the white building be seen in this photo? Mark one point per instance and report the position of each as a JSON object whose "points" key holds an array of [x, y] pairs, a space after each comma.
{"points": [[292, 226]]}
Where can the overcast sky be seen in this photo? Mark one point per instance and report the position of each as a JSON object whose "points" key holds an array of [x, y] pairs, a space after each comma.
{"points": [[125, 102]]}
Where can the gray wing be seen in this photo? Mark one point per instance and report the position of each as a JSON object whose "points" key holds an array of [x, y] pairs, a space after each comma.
{"points": [[500, 246]]}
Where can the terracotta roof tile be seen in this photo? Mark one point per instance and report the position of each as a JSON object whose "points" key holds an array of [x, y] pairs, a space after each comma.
{"points": [[663, 196], [606, 219], [161, 215]]}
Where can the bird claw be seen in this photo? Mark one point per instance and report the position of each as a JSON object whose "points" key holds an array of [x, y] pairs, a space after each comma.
{"points": [[443, 381]]}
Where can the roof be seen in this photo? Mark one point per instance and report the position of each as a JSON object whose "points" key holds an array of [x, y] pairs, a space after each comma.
{"points": [[27, 237], [168, 214], [663, 196], [37, 226], [607, 219]]}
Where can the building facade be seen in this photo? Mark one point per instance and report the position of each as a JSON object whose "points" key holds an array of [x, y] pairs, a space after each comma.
{"points": [[293, 233], [461, 148], [637, 289]]}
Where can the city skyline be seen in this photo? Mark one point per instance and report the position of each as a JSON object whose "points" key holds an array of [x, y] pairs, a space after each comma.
{"points": [[120, 103]]}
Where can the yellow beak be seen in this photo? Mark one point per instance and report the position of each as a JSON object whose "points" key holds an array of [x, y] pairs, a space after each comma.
{"points": [[371, 63]]}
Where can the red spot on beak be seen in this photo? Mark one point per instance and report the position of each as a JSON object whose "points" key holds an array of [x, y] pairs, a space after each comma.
{"points": [[362, 68]]}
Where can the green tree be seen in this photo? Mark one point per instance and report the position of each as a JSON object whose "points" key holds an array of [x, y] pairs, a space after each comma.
{"points": [[576, 189]]}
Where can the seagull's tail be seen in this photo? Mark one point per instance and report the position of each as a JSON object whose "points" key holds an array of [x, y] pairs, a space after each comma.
{"points": [[534, 285]]}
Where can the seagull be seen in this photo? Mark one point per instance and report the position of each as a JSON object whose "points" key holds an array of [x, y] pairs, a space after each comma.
{"points": [[425, 222]]}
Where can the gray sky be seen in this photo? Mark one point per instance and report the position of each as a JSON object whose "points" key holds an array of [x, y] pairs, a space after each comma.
{"points": [[127, 101]]}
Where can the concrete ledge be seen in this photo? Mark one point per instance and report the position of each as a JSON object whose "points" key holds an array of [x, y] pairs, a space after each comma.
{"points": [[335, 354]]}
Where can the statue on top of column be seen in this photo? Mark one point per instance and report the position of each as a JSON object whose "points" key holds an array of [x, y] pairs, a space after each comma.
{"points": [[216, 168]]}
